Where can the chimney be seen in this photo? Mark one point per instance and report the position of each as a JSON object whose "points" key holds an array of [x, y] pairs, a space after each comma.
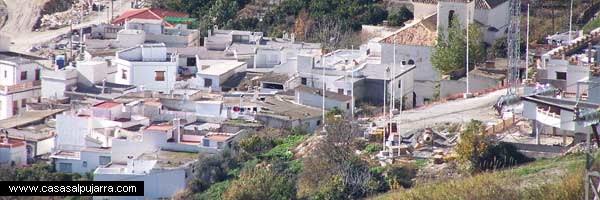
{"points": [[293, 38], [177, 134], [103, 85]]}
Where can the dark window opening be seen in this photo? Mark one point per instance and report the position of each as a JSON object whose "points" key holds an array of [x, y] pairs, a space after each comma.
{"points": [[303, 81], [561, 75], [191, 61], [450, 16], [37, 74], [207, 82], [23, 75], [411, 62], [272, 86]]}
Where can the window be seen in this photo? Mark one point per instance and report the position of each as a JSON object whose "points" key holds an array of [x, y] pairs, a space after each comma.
{"points": [[205, 142], [340, 90], [23, 103], [347, 105], [450, 16], [207, 82], [37, 74], [104, 160], [191, 61], [411, 62], [84, 164], [124, 74], [561, 75], [65, 167], [303, 81], [24, 75], [399, 84], [349, 92], [160, 76], [5, 74], [318, 122], [15, 107]]}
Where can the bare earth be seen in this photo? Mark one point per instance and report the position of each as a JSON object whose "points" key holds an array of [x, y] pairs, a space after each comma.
{"points": [[22, 15]]}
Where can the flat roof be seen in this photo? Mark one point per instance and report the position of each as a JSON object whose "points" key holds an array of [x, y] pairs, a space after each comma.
{"points": [[107, 104], [221, 137], [328, 94], [11, 143], [218, 67], [71, 155], [27, 118], [170, 159], [160, 127]]}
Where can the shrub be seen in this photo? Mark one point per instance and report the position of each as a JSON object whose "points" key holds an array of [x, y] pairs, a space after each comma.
{"points": [[373, 148]]}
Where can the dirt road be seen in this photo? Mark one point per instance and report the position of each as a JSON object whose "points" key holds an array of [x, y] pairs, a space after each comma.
{"points": [[22, 12], [478, 108]]}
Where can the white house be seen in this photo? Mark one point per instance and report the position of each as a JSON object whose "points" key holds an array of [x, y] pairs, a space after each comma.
{"points": [[314, 97], [12, 152], [84, 138], [19, 84], [148, 66], [213, 73], [81, 161], [164, 173]]}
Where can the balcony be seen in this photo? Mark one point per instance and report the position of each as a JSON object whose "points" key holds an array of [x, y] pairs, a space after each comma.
{"points": [[19, 87], [549, 118]]}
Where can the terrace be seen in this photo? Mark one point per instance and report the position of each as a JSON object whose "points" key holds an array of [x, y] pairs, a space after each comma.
{"points": [[7, 89]]}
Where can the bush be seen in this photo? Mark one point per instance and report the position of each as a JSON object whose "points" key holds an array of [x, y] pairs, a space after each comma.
{"points": [[261, 182], [400, 176], [373, 148]]}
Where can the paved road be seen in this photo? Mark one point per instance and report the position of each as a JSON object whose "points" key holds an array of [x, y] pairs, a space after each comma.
{"points": [[479, 108]]}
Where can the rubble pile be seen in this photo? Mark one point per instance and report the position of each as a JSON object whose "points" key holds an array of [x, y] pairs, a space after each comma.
{"points": [[74, 15]]}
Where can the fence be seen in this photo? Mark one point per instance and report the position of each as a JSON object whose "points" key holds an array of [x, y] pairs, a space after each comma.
{"points": [[501, 127]]}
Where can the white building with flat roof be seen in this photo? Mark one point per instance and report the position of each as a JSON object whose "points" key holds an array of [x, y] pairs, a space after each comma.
{"points": [[12, 152], [213, 73], [19, 84], [148, 66]]}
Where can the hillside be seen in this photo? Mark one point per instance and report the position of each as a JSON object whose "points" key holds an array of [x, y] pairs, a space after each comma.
{"points": [[557, 178]]}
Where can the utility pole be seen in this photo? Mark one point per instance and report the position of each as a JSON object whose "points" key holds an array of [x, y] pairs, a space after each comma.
{"points": [[527, 46], [112, 11], [467, 93], [400, 116], [352, 87], [570, 22], [393, 77]]}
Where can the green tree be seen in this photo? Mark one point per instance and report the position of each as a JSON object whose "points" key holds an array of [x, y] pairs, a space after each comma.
{"points": [[473, 145], [450, 49], [399, 17], [499, 47], [222, 12], [476, 46]]}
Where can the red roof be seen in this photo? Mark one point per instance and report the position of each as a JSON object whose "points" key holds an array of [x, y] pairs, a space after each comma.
{"points": [[148, 13], [160, 127], [11, 142]]}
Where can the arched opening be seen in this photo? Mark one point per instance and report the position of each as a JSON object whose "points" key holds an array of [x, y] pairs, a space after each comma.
{"points": [[450, 16], [411, 62]]}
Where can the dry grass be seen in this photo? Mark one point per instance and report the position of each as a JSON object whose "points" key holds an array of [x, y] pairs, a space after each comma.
{"points": [[559, 178]]}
